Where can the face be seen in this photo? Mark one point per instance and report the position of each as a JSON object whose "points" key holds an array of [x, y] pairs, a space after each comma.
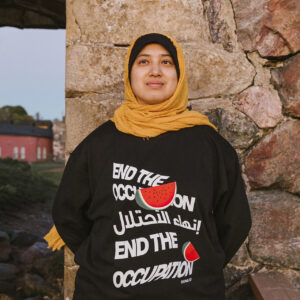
{"points": [[153, 75]]}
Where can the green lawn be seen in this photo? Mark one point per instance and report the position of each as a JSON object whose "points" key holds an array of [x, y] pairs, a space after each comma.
{"points": [[44, 169]]}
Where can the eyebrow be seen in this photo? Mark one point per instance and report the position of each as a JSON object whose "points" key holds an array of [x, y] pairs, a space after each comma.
{"points": [[144, 54]]}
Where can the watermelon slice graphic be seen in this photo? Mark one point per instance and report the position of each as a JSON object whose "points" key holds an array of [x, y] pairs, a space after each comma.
{"points": [[189, 252], [156, 197]]}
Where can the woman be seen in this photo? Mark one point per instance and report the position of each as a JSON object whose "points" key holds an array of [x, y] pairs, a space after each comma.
{"points": [[152, 202]]}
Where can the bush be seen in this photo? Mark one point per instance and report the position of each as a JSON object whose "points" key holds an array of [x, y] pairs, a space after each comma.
{"points": [[20, 185]]}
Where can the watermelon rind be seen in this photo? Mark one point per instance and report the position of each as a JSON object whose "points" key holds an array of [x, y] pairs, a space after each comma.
{"points": [[142, 203], [184, 247]]}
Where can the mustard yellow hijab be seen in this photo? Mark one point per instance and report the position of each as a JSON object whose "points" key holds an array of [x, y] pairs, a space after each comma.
{"points": [[145, 120]]}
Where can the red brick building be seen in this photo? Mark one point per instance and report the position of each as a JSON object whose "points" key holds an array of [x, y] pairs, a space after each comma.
{"points": [[29, 142]]}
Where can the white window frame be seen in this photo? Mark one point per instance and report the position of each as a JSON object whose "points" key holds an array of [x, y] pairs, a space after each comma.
{"points": [[15, 152], [44, 153], [23, 153], [38, 153]]}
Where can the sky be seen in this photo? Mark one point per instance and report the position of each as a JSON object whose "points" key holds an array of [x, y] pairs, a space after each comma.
{"points": [[32, 70]]}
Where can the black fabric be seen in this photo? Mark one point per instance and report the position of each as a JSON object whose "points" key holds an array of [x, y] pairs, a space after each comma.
{"points": [[150, 38], [96, 213]]}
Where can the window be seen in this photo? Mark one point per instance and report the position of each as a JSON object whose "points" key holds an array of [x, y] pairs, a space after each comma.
{"points": [[44, 153], [38, 154], [23, 153], [15, 153]]}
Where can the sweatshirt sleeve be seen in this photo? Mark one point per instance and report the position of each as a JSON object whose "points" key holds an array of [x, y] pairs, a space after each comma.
{"points": [[232, 212], [72, 199]]}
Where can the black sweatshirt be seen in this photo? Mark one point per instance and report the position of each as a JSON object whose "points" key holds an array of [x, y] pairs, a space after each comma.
{"points": [[125, 251]]}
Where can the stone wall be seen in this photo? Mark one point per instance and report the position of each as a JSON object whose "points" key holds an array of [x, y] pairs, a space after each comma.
{"points": [[243, 62]]}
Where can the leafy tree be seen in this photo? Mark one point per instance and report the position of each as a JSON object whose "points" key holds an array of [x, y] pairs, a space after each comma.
{"points": [[14, 113]]}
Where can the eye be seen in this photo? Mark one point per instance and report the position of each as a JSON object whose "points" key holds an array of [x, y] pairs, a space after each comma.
{"points": [[167, 62], [142, 61]]}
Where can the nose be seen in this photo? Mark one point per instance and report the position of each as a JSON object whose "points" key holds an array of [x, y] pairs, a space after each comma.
{"points": [[155, 69]]}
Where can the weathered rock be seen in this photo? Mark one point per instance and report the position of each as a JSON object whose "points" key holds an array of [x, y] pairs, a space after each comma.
{"points": [[101, 21], [263, 73], [221, 23], [5, 248], [274, 236], [22, 238], [240, 290], [241, 258], [36, 251], [99, 69], [269, 26], [261, 104], [208, 66], [234, 126], [8, 271], [50, 267], [85, 114], [233, 274], [287, 80], [34, 284], [275, 159]]}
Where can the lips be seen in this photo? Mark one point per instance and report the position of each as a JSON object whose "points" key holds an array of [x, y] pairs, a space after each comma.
{"points": [[155, 84]]}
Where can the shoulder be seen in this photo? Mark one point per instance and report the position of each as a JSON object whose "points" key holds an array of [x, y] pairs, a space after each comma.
{"points": [[215, 139]]}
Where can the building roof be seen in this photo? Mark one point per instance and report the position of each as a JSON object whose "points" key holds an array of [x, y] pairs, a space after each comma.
{"points": [[24, 130]]}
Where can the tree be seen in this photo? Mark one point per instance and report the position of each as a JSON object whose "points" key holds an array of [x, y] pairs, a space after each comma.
{"points": [[14, 113]]}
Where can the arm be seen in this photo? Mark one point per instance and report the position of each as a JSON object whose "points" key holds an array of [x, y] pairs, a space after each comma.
{"points": [[232, 213], [72, 199]]}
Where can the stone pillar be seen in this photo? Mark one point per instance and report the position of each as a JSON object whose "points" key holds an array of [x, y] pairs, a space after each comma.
{"points": [[228, 83]]}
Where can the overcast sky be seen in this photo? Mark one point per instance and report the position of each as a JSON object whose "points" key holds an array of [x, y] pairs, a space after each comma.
{"points": [[32, 70]]}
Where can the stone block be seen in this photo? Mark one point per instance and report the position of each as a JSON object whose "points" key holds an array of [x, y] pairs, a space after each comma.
{"points": [[261, 104], [287, 80], [275, 160], [119, 22], [85, 114], [214, 72], [274, 236], [95, 69], [270, 26]]}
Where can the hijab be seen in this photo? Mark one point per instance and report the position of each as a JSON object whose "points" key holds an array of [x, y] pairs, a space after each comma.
{"points": [[150, 120]]}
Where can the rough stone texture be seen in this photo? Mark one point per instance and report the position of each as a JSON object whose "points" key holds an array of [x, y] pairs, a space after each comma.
{"points": [[269, 26], [33, 14], [37, 250], [94, 69], [287, 81], [261, 104], [8, 271], [274, 236], [263, 74], [100, 21], [234, 126], [206, 68], [5, 248], [85, 114], [23, 238], [221, 23], [275, 160]]}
